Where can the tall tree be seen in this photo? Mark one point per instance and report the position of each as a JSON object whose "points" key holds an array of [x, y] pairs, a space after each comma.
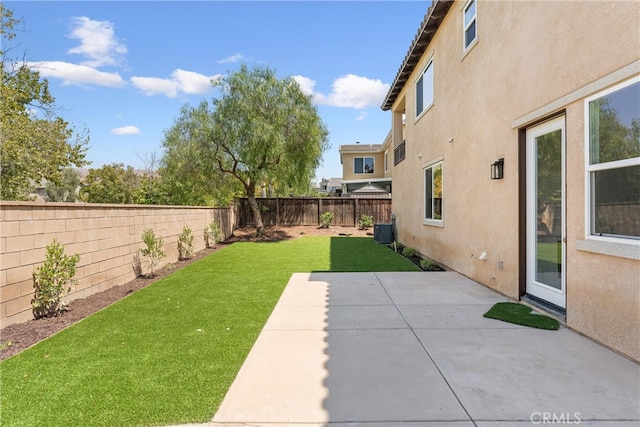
{"points": [[261, 131], [110, 184], [35, 144], [67, 190], [189, 175]]}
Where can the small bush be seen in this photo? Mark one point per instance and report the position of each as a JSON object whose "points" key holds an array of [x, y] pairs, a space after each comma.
{"points": [[136, 264], [409, 252], [53, 280], [366, 222], [153, 252], [185, 244], [212, 234], [428, 264], [396, 246], [325, 219]]}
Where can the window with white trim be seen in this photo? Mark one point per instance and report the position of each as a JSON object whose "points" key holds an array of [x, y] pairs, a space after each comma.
{"points": [[433, 192], [363, 165], [424, 89], [470, 18], [612, 121]]}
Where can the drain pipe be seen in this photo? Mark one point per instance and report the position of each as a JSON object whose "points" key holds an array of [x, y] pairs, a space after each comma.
{"points": [[393, 232]]}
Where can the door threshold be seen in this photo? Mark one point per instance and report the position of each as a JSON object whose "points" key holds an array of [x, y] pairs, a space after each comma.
{"points": [[552, 309]]}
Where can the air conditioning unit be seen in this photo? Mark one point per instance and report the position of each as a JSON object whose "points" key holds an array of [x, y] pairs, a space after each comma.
{"points": [[383, 233]]}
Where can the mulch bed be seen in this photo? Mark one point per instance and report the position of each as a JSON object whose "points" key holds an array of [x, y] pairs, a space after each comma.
{"points": [[19, 336]]}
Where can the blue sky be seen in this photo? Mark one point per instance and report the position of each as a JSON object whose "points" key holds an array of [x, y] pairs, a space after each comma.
{"points": [[124, 69]]}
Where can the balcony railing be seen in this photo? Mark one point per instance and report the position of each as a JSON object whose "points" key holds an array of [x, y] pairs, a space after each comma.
{"points": [[399, 153]]}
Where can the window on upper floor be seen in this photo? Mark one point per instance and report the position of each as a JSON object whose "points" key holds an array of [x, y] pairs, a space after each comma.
{"points": [[470, 24], [433, 193], [612, 129], [363, 165], [424, 89]]}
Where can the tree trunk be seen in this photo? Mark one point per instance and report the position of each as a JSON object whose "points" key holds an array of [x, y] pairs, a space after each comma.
{"points": [[257, 214]]}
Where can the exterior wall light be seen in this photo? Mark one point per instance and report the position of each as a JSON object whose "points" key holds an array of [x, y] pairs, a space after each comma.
{"points": [[497, 169]]}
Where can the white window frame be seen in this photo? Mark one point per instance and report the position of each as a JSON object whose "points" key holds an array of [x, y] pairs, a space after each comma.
{"points": [[363, 164], [425, 107], [589, 169], [465, 26], [431, 165]]}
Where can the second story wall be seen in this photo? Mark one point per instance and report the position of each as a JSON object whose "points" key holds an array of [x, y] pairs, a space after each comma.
{"points": [[362, 165]]}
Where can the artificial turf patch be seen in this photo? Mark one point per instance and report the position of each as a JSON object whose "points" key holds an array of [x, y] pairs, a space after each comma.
{"points": [[168, 353], [520, 314]]}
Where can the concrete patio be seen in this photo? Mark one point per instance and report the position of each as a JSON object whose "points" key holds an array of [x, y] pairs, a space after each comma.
{"points": [[412, 349]]}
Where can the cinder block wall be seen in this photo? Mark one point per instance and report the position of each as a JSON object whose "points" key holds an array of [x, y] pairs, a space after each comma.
{"points": [[106, 237]]}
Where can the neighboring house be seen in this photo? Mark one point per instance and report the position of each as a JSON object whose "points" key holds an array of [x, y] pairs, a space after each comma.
{"points": [[370, 190], [366, 164], [544, 97], [332, 186]]}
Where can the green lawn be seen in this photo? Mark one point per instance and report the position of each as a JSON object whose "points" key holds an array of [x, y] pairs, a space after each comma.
{"points": [[168, 353]]}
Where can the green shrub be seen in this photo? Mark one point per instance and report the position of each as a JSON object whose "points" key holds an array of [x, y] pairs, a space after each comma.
{"points": [[153, 252], [366, 221], [409, 252], [212, 234], [136, 264], [53, 280], [185, 244], [428, 264], [325, 219]]}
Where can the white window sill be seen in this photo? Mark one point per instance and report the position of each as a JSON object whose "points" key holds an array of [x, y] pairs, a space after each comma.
{"points": [[466, 51], [611, 248], [433, 222], [423, 112]]}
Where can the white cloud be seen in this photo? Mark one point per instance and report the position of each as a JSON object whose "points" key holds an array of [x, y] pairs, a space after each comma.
{"points": [[193, 83], [126, 130], [97, 42], [348, 91], [353, 91], [305, 83], [237, 57], [74, 74], [181, 82], [361, 116], [156, 86]]}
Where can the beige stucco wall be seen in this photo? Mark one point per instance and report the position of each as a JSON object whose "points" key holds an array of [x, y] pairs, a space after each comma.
{"points": [[105, 236], [387, 150], [348, 165], [529, 57]]}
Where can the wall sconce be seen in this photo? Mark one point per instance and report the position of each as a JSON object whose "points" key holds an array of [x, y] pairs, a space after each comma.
{"points": [[497, 169]]}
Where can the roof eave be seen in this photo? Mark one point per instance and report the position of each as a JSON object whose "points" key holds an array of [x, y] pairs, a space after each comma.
{"points": [[428, 28]]}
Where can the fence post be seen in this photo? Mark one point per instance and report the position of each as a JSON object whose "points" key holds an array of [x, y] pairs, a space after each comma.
{"points": [[355, 212]]}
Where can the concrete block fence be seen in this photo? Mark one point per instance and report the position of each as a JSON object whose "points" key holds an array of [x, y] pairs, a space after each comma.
{"points": [[106, 237]]}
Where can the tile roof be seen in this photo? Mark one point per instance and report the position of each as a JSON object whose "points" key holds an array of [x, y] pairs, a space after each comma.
{"points": [[428, 28]]}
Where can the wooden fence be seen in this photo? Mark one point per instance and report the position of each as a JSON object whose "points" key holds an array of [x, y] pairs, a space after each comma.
{"points": [[290, 211]]}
